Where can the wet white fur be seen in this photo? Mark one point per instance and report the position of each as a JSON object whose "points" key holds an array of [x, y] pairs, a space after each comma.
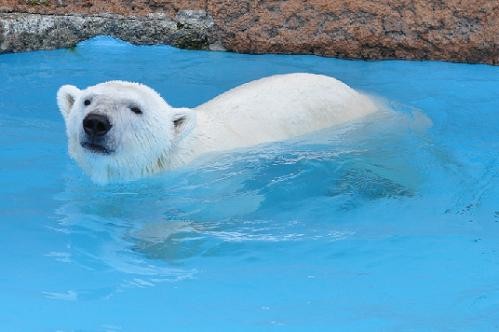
{"points": [[270, 109]]}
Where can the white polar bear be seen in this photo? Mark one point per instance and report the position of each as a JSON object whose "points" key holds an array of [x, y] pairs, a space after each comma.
{"points": [[122, 131]]}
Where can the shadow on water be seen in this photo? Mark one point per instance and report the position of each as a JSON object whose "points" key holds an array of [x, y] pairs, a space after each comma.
{"points": [[261, 195]]}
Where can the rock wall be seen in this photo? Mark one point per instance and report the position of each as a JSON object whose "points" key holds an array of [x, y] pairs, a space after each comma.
{"points": [[453, 30], [25, 32]]}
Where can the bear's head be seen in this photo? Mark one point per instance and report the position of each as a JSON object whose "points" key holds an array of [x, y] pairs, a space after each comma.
{"points": [[120, 130]]}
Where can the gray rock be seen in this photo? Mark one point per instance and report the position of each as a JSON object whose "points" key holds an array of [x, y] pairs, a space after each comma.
{"points": [[25, 32]]}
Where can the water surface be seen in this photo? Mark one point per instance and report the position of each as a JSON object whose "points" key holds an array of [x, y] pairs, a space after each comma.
{"points": [[381, 225]]}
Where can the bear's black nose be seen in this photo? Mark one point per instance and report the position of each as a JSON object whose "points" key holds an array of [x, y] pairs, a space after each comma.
{"points": [[96, 125]]}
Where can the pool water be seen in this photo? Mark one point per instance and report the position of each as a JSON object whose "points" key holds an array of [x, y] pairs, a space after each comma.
{"points": [[387, 224]]}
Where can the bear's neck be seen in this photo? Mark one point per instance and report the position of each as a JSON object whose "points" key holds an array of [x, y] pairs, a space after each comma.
{"points": [[207, 134], [193, 143]]}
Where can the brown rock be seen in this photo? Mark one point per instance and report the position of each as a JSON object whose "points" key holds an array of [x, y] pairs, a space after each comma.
{"points": [[453, 30]]}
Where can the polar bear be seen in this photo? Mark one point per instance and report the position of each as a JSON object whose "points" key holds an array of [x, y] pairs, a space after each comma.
{"points": [[123, 131]]}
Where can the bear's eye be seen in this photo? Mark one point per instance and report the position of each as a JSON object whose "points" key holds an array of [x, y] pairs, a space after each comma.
{"points": [[87, 102], [135, 110]]}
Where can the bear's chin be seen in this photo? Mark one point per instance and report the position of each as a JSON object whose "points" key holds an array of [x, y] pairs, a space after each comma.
{"points": [[111, 168]]}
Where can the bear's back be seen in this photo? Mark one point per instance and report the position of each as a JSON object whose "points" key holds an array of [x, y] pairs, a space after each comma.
{"points": [[279, 107]]}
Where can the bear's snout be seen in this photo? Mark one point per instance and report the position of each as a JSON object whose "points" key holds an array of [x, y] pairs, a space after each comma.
{"points": [[96, 125]]}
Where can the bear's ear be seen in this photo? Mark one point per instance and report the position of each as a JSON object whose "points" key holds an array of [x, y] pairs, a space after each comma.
{"points": [[66, 97], [183, 121]]}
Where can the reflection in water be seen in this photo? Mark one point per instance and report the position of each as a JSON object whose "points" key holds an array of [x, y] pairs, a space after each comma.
{"points": [[241, 197]]}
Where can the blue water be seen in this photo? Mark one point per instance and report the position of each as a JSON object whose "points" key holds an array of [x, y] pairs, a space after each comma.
{"points": [[380, 225]]}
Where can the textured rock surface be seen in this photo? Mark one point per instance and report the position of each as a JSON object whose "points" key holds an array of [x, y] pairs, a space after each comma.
{"points": [[455, 30], [24, 32]]}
